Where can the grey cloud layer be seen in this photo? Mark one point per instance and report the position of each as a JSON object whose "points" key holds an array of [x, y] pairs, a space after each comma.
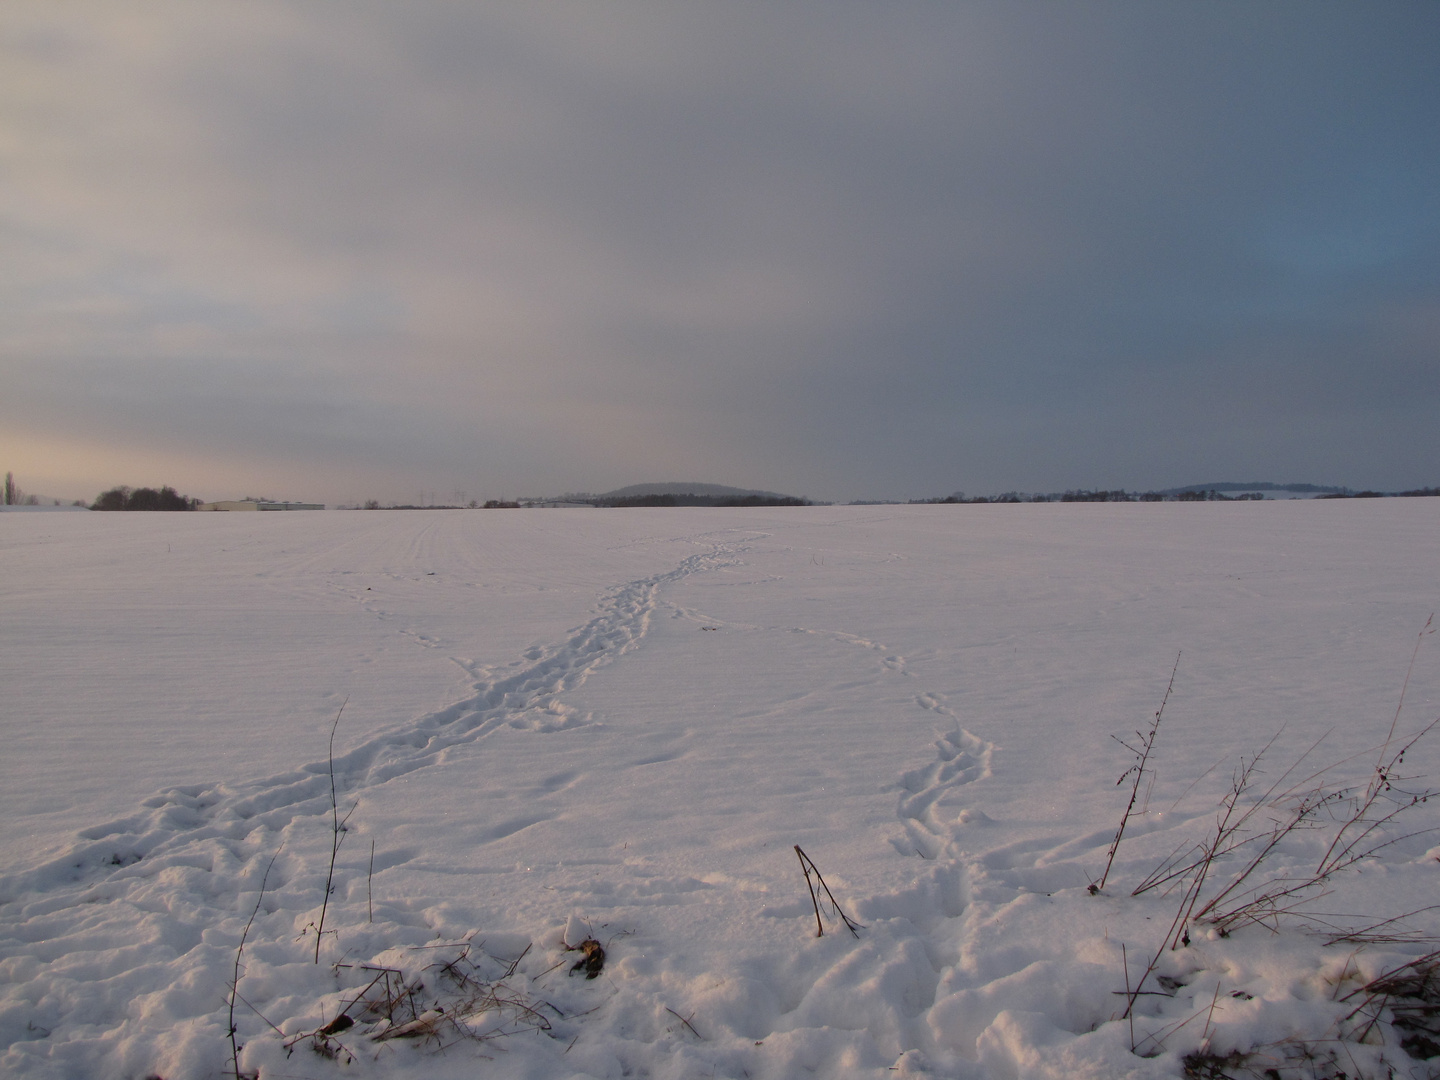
{"points": [[825, 249]]}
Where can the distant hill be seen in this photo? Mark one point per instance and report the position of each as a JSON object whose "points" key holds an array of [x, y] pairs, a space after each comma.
{"points": [[719, 491], [692, 494], [1305, 489], [1229, 491]]}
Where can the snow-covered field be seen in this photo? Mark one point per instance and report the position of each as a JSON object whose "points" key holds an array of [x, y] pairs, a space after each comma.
{"points": [[572, 724]]}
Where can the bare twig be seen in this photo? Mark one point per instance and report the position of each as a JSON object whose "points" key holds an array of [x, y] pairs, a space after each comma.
{"points": [[1229, 830], [1220, 840], [380, 973], [337, 830], [1205, 1034], [1129, 998], [1428, 628], [516, 962], [1142, 758], [807, 865], [685, 1021], [1157, 1038], [1374, 933], [269, 1023], [819, 926], [1350, 846], [235, 981]]}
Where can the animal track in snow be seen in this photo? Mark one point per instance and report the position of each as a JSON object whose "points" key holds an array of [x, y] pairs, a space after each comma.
{"points": [[960, 759], [195, 824]]}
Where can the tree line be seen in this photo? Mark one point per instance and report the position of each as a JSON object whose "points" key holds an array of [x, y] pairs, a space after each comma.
{"points": [[124, 498]]}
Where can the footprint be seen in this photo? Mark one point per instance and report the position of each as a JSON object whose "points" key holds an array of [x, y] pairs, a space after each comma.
{"points": [[559, 782]]}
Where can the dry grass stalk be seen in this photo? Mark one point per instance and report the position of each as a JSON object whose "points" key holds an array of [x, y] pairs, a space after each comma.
{"points": [[1146, 743], [808, 866], [235, 979], [337, 834]]}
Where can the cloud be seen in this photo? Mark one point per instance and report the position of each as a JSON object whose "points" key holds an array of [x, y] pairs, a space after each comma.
{"points": [[813, 248]]}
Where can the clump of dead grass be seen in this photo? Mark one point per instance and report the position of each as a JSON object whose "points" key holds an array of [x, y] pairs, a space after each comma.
{"points": [[468, 996]]}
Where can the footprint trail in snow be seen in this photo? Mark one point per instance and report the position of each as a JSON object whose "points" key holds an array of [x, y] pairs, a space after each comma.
{"points": [[960, 758], [528, 699], [170, 880]]}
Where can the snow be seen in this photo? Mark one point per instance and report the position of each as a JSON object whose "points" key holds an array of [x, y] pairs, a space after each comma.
{"points": [[617, 724]]}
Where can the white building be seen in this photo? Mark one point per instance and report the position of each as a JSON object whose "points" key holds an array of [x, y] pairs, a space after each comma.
{"points": [[251, 504]]}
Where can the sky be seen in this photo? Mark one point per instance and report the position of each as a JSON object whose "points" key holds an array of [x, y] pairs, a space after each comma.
{"points": [[333, 251]]}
